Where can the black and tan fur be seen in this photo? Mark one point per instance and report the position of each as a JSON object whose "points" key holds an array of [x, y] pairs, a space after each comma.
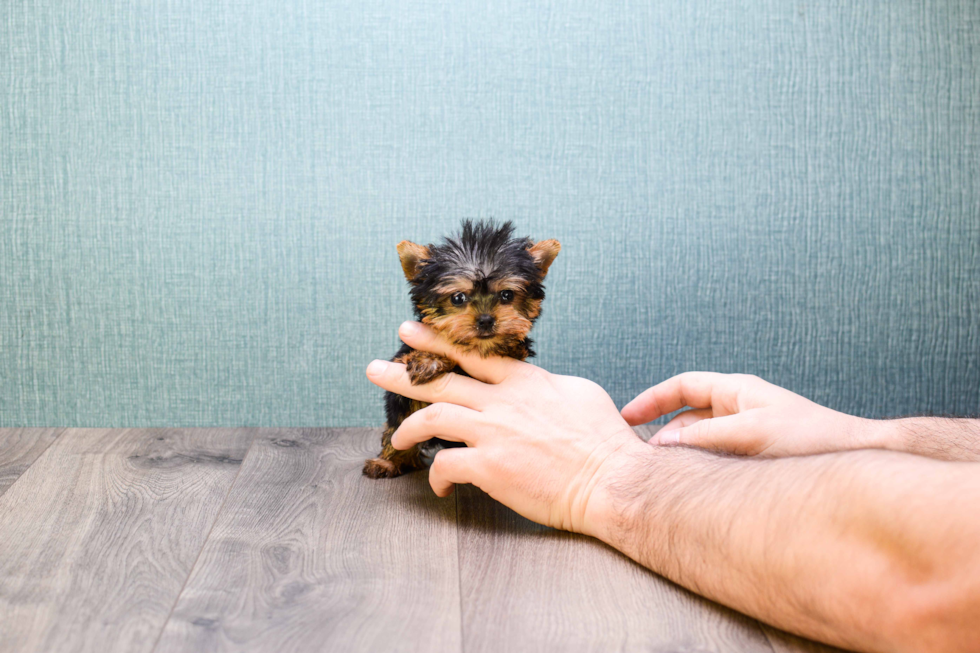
{"points": [[481, 290]]}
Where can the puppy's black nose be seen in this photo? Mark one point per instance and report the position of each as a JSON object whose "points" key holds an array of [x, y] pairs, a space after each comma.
{"points": [[485, 322]]}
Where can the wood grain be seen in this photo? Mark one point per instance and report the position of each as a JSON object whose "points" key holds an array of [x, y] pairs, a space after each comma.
{"points": [[527, 587], [19, 448], [309, 555], [116, 540], [100, 533]]}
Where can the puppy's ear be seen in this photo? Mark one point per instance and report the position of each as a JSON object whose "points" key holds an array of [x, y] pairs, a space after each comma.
{"points": [[411, 256], [544, 252]]}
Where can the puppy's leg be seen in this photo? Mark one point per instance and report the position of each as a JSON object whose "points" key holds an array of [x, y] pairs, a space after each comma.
{"points": [[424, 366], [393, 462]]}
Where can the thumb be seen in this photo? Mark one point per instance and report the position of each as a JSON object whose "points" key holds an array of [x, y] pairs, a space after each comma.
{"points": [[729, 434]]}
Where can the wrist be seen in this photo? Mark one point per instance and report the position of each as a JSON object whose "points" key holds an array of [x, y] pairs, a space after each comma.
{"points": [[618, 493], [886, 434]]}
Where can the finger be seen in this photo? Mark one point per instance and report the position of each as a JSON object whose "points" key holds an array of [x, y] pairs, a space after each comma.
{"points": [[446, 421], [694, 389], [451, 388], [493, 369], [730, 434], [687, 418], [451, 466]]}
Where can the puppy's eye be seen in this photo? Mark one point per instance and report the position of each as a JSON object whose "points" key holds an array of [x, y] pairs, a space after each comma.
{"points": [[458, 299], [506, 296]]}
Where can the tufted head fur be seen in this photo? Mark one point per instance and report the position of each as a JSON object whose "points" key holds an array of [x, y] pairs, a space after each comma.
{"points": [[481, 288]]}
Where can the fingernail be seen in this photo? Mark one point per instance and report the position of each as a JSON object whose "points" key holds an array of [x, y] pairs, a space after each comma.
{"points": [[376, 368], [670, 437], [408, 328]]}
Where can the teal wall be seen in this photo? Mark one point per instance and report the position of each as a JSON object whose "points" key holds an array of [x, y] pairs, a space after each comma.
{"points": [[200, 201]]}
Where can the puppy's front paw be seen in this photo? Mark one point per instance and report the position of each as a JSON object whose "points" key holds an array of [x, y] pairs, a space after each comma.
{"points": [[380, 468], [424, 367]]}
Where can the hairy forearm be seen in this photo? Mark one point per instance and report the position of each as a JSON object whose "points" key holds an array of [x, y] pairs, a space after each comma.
{"points": [[869, 550], [942, 438]]}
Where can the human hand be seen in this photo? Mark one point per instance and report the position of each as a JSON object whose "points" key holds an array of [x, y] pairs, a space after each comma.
{"points": [[537, 442], [742, 414]]}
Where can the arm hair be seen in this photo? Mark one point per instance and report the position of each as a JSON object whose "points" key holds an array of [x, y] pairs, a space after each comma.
{"points": [[942, 438], [872, 550]]}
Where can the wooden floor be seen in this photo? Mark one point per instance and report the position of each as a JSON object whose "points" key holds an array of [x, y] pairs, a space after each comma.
{"points": [[271, 540]]}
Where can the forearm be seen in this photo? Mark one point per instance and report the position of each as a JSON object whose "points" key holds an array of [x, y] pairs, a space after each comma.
{"points": [[941, 438], [853, 549]]}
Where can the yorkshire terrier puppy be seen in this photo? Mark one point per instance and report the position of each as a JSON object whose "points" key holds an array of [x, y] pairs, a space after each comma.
{"points": [[482, 291]]}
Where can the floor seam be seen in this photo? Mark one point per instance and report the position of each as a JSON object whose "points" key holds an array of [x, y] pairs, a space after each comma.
{"points": [[197, 559], [56, 438]]}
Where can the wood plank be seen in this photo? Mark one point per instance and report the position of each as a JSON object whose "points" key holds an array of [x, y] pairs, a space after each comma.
{"points": [[100, 533], [19, 448], [309, 555], [527, 587]]}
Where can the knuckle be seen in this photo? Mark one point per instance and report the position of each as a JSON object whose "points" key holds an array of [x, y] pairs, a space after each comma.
{"points": [[494, 463], [440, 386], [531, 372], [688, 377], [438, 466], [581, 383], [699, 431], [592, 386], [433, 413], [688, 381], [586, 388]]}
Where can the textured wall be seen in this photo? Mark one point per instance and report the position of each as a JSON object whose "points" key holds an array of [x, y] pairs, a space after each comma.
{"points": [[199, 201]]}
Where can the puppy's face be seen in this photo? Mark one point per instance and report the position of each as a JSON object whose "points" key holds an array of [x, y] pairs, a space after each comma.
{"points": [[482, 289]]}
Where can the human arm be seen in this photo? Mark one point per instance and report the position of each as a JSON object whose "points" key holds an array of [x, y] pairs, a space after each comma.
{"points": [[868, 550], [942, 438], [742, 414], [871, 550]]}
